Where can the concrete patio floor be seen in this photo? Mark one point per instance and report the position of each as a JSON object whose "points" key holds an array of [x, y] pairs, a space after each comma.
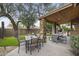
{"points": [[49, 49]]}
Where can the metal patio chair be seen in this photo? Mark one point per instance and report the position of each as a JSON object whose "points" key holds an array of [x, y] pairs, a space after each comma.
{"points": [[34, 43]]}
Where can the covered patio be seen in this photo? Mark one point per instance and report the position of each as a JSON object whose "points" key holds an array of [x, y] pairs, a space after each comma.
{"points": [[67, 14]]}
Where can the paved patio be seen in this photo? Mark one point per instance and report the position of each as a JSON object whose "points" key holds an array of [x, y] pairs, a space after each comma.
{"points": [[49, 49]]}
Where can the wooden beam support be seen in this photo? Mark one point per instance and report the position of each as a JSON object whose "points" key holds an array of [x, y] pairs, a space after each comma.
{"points": [[71, 25], [54, 27]]}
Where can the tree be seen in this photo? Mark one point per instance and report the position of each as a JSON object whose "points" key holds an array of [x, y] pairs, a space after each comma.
{"points": [[28, 18], [12, 11], [33, 12], [6, 11], [42, 8], [49, 26]]}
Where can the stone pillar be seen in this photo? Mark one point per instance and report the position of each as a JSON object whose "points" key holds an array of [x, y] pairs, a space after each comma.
{"points": [[42, 29], [42, 25]]}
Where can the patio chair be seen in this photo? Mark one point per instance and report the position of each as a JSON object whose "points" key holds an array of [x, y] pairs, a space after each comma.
{"points": [[35, 43], [63, 39]]}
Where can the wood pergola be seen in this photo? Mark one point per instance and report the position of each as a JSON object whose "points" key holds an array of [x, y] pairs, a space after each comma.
{"points": [[65, 14]]}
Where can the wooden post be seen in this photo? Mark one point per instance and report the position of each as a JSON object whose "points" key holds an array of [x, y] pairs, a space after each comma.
{"points": [[54, 27], [2, 36], [0, 33], [71, 26], [2, 30]]}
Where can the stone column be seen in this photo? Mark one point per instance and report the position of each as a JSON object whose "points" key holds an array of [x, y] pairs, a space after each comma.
{"points": [[42, 28], [42, 25]]}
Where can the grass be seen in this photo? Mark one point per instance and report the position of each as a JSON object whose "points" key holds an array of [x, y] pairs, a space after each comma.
{"points": [[22, 37], [10, 41]]}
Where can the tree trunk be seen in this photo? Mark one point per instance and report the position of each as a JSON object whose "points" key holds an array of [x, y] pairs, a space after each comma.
{"points": [[12, 21], [28, 29], [14, 24]]}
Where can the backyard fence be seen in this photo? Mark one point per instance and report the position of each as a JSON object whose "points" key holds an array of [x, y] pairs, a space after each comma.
{"points": [[10, 32]]}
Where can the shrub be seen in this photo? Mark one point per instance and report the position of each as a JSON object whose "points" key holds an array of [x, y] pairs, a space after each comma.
{"points": [[75, 44]]}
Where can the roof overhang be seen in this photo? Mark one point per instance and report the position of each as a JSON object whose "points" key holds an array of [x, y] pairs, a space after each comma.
{"points": [[63, 15]]}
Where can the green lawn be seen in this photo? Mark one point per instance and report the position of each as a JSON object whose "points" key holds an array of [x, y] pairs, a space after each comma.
{"points": [[10, 41]]}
